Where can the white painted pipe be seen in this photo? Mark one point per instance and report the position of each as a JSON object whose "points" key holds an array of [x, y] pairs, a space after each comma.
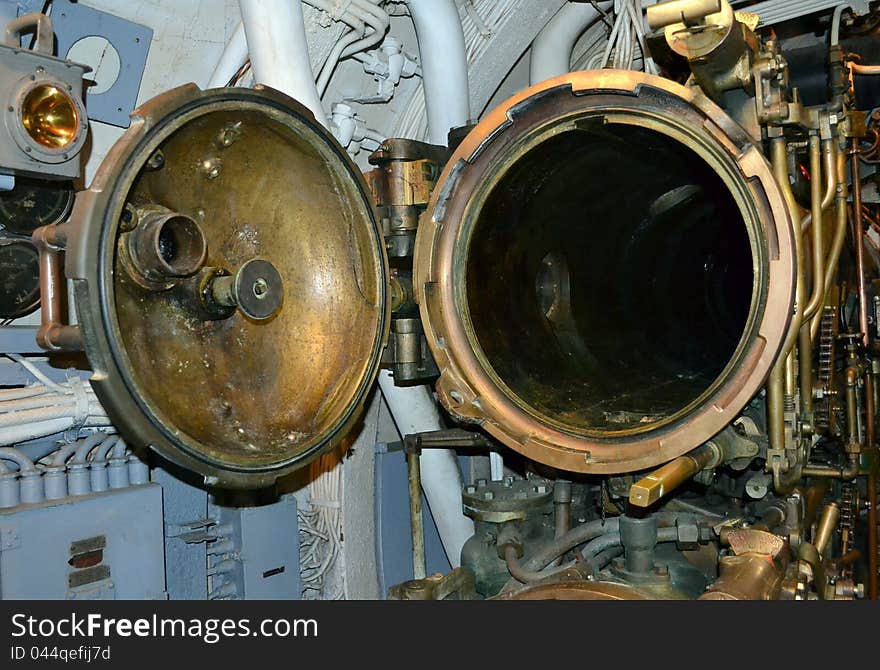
{"points": [[15, 456], [31, 431], [234, 54], [551, 49], [444, 65], [415, 411], [40, 414], [275, 32]]}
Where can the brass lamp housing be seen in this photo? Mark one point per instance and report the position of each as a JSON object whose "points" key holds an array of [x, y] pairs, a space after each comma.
{"points": [[469, 385]]}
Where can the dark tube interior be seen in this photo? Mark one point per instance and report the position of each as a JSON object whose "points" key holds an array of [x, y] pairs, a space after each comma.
{"points": [[609, 277]]}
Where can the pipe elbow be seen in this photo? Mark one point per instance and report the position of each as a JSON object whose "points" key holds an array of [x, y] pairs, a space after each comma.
{"points": [[15, 456], [444, 65], [553, 46]]}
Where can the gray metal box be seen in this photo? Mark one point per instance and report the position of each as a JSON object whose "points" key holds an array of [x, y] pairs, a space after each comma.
{"points": [[31, 74], [100, 546]]}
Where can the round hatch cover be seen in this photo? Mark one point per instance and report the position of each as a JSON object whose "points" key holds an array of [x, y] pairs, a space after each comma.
{"points": [[230, 281]]}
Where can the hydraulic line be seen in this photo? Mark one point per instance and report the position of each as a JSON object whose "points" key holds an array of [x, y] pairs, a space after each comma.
{"points": [[776, 390]]}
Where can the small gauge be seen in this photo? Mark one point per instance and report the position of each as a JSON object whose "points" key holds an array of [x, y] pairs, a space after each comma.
{"points": [[33, 203], [19, 279]]}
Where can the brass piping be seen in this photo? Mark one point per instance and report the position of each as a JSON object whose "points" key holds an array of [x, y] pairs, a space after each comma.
{"points": [[847, 472], [839, 235], [860, 239], [825, 528], [805, 369], [819, 202], [813, 497], [816, 201], [866, 341], [829, 154], [776, 380], [852, 407], [853, 447]]}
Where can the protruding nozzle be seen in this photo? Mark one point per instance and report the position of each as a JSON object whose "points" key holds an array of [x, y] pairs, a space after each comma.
{"points": [[654, 486], [256, 289], [166, 246]]}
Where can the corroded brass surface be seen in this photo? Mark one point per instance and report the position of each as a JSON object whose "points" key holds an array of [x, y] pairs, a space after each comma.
{"points": [[238, 399], [537, 347]]}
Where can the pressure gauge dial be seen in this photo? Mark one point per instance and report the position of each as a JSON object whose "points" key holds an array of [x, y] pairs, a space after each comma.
{"points": [[33, 203], [19, 279]]}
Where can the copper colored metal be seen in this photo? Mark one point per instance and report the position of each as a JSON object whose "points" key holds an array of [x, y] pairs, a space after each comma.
{"points": [[827, 526], [747, 577], [755, 569], [470, 386], [859, 241], [247, 397], [869, 382], [54, 334]]}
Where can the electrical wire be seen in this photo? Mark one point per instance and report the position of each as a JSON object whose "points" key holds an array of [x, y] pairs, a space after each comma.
{"points": [[320, 529], [46, 407], [626, 49], [39, 376]]}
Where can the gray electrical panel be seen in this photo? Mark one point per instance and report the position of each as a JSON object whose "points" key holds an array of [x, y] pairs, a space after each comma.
{"points": [[100, 546]]}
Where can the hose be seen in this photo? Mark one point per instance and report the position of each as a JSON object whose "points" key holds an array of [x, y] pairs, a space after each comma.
{"points": [[61, 410], [575, 537], [115, 443], [607, 546], [39, 376], [14, 455], [64, 453]]}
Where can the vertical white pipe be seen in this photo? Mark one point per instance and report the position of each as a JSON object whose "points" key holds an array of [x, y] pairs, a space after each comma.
{"points": [[551, 49], [444, 65], [415, 411], [234, 54], [275, 33]]}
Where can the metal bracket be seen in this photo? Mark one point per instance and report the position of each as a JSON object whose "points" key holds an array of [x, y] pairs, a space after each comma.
{"points": [[444, 439]]}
